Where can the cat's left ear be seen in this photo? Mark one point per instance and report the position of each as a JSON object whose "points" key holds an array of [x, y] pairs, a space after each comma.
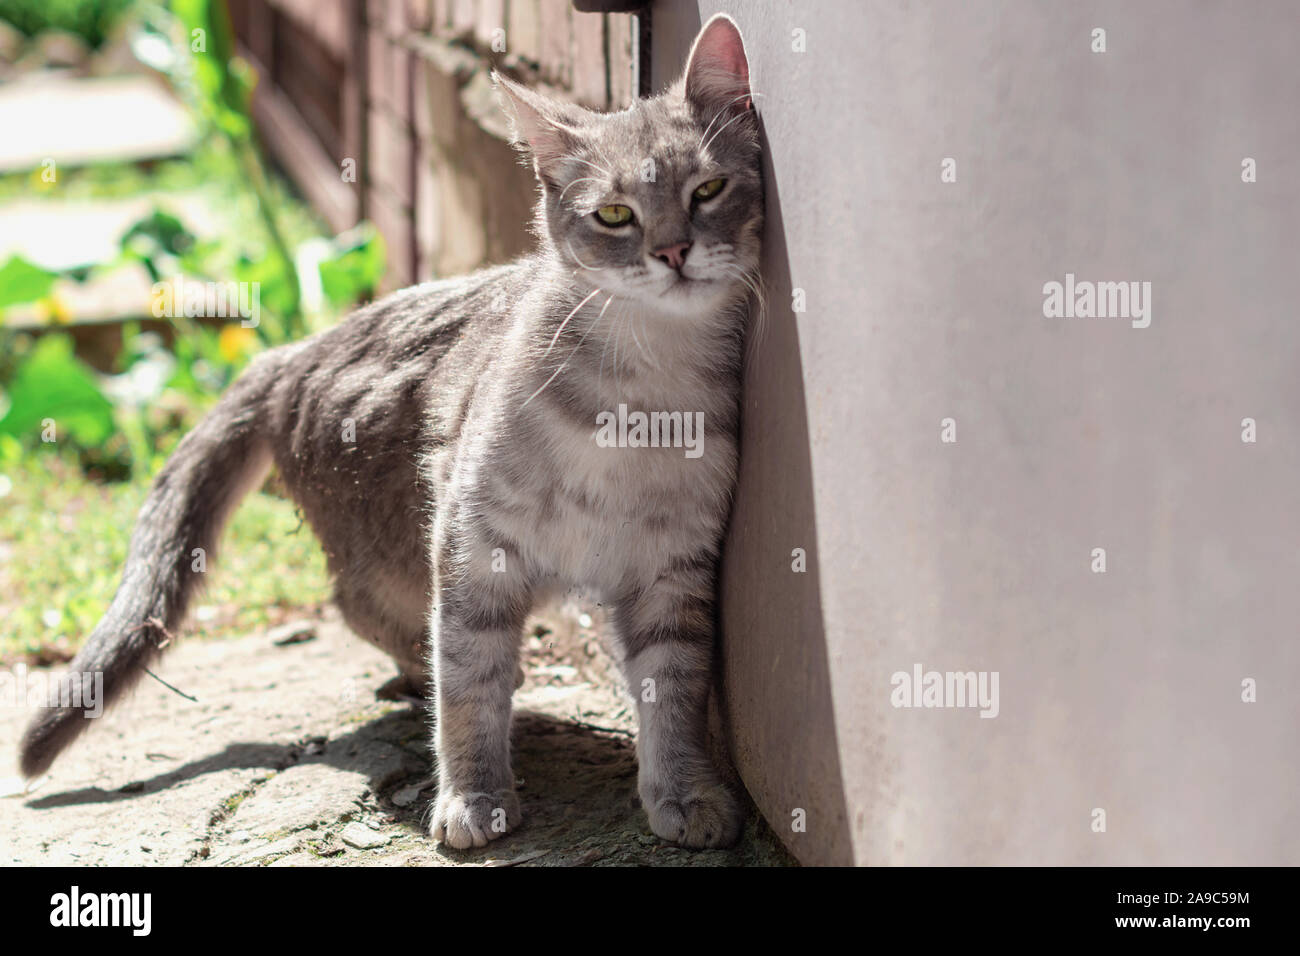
{"points": [[717, 73], [542, 126]]}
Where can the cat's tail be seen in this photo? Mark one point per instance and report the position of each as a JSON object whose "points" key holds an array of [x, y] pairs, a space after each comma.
{"points": [[175, 536]]}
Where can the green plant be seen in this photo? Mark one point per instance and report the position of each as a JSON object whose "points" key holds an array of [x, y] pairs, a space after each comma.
{"points": [[221, 86], [52, 391], [128, 422], [22, 281], [355, 266], [92, 20]]}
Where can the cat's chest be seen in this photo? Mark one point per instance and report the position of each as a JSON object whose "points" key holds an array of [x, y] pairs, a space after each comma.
{"points": [[619, 499]]}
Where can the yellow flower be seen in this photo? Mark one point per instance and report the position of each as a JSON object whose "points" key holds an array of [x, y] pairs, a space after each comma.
{"points": [[53, 309], [235, 342], [44, 179]]}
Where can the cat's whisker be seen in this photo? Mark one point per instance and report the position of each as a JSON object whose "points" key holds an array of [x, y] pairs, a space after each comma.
{"points": [[754, 283], [569, 244], [654, 360], [618, 368], [751, 281], [705, 147], [637, 340], [575, 348], [581, 179], [595, 166], [600, 377], [555, 338], [615, 318], [720, 112]]}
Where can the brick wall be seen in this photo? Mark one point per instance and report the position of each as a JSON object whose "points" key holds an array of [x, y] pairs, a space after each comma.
{"points": [[401, 88]]}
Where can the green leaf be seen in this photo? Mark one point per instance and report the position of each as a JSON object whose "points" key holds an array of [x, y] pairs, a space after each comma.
{"points": [[11, 449], [355, 268], [158, 233], [276, 291], [158, 242], [21, 281], [226, 81], [51, 383]]}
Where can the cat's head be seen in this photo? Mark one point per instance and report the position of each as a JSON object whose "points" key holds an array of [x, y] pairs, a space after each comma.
{"points": [[662, 203]]}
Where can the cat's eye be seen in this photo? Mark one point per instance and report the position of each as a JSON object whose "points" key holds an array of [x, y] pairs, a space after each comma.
{"points": [[710, 189], [614, 215]]}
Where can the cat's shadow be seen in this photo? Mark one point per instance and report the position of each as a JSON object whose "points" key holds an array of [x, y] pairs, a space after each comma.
{"points": [[571, 778]]}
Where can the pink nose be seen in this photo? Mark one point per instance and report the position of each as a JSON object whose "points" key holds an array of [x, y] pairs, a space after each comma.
{"points": [[674, 256]]}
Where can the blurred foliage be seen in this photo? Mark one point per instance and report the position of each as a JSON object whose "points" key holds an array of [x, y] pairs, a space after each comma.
{"points": [[354, 267], [22, 281], [126, 423], [219, 85], [53, 392], [92, 20], [77, 445]]}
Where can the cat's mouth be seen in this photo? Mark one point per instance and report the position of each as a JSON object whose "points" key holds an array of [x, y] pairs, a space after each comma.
{"points": [[682, 287], [681, 282]]}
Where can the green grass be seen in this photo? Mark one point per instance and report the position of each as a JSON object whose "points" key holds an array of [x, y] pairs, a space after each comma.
{"points": [[63, 541]]}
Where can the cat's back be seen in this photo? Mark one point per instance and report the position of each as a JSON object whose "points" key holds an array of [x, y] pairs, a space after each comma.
{"points": [[376, 372], [434, 315]]}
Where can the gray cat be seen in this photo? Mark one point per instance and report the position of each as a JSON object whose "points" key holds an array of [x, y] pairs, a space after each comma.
{"points": [[502, 450]]}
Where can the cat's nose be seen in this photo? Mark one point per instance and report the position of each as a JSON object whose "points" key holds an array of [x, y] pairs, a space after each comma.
{"points": [[673, 256]]}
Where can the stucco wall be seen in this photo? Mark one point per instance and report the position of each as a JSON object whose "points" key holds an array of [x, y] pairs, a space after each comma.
{"points": [[1118, 691]]}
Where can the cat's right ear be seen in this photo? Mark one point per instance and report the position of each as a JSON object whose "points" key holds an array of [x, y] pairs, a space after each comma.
{"points": [[539, 125]]}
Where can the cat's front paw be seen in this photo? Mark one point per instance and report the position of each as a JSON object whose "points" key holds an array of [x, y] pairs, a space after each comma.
{"points": [[706, 815], [463, 820]]}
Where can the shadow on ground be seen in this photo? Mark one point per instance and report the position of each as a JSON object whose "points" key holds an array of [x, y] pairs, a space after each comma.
{"points": [[300, 765], [577, 787]]}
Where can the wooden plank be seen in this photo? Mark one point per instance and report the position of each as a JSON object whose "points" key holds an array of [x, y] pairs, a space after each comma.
{"points": [[394, 223], [79, 120], [311, 78], [300, 153], [556, 55], [390, 154], [524, 34], [589, 83], [327, 23], [622, 75], [490, 19]]}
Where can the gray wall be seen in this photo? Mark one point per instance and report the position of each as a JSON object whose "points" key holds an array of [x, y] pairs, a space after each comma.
{"points": [[1120, 691]]}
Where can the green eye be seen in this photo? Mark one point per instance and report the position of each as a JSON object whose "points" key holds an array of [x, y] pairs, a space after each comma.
{"points": [[614, 215], [710, 189]]}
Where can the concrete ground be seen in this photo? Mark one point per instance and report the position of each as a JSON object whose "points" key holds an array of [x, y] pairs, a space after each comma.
{"points": [[288, 759]]}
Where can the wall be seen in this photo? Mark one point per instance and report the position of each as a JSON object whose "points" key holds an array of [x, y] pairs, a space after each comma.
{"points": [[1119, 691]]}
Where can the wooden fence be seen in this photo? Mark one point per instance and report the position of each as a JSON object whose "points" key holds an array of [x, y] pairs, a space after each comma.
{"points": [[382, 110]]}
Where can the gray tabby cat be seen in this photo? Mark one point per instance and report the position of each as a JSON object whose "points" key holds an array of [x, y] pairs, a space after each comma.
{"points": [[476, 484]]}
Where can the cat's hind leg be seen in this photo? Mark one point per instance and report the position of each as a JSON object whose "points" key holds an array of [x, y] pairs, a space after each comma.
{"points": [[400, 631]]}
